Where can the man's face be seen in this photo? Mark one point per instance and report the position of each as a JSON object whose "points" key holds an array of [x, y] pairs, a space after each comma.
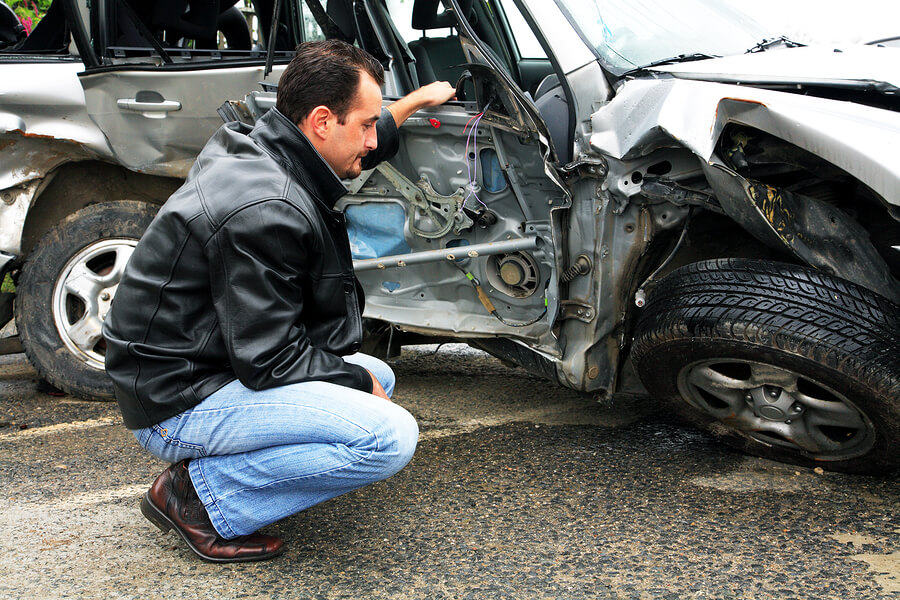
{"points": [[348, 142]]}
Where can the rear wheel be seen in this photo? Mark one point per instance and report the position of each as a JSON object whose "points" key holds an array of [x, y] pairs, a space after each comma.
{"points": [[66, 289], [779, 360]]}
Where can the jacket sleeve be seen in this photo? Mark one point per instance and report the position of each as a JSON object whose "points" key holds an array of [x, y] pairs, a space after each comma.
{"points": [[257, 260], [388, 141]]}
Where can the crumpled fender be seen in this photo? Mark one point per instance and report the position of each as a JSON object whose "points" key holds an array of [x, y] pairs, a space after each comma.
{"points": [[44, 123], [650, 113], [859, 139]]}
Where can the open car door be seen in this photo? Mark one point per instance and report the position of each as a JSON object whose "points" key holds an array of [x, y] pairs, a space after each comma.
{"points": [[456, 235]]}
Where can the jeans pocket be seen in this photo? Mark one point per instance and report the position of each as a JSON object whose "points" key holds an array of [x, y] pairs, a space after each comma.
{"points": [[164, 442]]}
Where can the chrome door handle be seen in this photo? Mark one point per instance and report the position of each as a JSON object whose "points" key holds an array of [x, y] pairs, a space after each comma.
{"points": [[149, 103]]}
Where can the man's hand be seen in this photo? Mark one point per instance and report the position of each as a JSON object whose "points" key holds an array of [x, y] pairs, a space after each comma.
{"points": [[432, 94], [435, 93], [377, 390]]}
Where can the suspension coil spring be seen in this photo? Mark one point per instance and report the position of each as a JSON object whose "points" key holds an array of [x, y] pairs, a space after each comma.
{"points": [[582, 266]]}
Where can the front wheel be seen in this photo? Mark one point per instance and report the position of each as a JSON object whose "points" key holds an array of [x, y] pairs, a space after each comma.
{"points": [[779, 360], [66, 288]]}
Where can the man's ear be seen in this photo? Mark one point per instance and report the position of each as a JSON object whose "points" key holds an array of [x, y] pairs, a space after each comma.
{"points": [[318, 123]]}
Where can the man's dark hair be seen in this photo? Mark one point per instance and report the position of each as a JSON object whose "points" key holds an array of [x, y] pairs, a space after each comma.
{"points": [[324, 74]]}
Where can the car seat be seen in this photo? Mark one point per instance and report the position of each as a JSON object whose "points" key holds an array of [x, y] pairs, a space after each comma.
{"points": [[437, 58], [234, 28], [551, 102], [199, 20]]}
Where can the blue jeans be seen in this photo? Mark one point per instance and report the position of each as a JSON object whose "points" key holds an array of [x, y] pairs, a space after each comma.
{"points": [[259, 456]]}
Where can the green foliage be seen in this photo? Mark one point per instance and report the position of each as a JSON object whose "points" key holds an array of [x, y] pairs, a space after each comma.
{"points": [[7, 285], [30, 12]]}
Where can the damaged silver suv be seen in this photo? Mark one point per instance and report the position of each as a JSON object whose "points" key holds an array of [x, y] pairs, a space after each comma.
{"points": [[664, 192], [103, 108]]}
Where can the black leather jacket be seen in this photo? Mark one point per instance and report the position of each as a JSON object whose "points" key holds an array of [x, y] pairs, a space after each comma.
{"points": [[245, 273]]}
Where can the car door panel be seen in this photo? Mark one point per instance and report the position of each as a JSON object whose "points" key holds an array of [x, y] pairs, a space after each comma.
{"points": [[510, 200], [156, 84], [127, 105]]}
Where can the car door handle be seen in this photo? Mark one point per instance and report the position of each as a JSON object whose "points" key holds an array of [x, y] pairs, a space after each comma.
{"points": [[135, 105], [149, 103]]}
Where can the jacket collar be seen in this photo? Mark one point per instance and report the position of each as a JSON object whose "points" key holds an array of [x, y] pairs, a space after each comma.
{"points": [[287, 144]]}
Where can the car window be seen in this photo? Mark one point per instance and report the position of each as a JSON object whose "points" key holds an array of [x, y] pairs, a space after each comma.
{"points": [[192, 30], [33, 27], [311, 30], [401, 14], [632, 33], [327, 19], [522, 37]]}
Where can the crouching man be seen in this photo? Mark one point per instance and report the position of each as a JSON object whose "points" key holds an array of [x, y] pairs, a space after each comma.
{"points": [[233, 342]]}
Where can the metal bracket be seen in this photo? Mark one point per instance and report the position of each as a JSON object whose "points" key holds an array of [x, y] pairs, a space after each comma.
{"points": [[572, 309], [595, 168], [427, 204], [657, 189]]}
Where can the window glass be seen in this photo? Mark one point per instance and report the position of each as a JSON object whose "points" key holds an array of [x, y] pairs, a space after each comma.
{"points": [[35, 26], [190, 30], [631, 33], [401, 15], [311, 30], [523, 37]]}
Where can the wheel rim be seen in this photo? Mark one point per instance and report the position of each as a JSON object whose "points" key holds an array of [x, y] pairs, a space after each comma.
{"points": [[776, 406], [83, 294]]}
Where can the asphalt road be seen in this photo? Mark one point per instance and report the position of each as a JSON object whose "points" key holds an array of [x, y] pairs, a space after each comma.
{"points": [[519, 489]]}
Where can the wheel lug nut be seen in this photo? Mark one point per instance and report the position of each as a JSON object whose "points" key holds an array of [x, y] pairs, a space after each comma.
{"points": [[788, 422], [104, 296], [773, 393]]}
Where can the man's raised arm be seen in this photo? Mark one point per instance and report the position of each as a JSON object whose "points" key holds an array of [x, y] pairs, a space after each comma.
{"points": [[432, 94], [396, 113]]}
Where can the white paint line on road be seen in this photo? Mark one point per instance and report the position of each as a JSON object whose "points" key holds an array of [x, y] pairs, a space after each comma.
{"points": [[544, 416], [85, 499], [549, 416], [24, 434], [855, 538], [885, 568], [80, 500], [758, 475]]}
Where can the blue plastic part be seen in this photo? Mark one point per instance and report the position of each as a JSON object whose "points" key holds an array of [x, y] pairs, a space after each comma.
{"points": [[375, 229], [492, 178]]}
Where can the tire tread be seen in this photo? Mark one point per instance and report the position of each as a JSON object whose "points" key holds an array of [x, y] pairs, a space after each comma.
{"points": [[789, 309]]}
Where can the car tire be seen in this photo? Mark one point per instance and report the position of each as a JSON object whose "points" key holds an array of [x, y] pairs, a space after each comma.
{"points": [[65, 290], [779, 360]]}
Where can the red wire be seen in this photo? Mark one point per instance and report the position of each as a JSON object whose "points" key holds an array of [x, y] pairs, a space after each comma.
{"points": [[470, 120]]}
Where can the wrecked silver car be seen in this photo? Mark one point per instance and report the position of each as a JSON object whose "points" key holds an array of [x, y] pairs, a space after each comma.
{"points": [[664, 192], [103, 108]]}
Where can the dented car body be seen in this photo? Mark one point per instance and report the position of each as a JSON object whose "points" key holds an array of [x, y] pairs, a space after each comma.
{"points": [[665, 192]]}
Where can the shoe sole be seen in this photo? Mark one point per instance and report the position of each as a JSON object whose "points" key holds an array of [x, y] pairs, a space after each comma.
{"points": [[164, 524]]}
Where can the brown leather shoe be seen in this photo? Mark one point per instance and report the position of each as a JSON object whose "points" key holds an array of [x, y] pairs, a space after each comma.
{"points": [[172, 503]]}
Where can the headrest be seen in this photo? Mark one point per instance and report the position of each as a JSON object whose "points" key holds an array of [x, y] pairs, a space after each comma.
{"points": [[341, 14], [425, 14]]}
